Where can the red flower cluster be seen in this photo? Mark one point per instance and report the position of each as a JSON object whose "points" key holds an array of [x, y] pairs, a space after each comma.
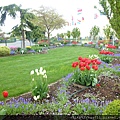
{"points": [[111, 46], [86, 64], [5, 94], [74, 42], [106, 52], [42, 41], [90, 43]]}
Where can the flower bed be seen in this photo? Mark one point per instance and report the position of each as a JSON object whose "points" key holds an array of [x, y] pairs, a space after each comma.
{"points": [[67, 99]]}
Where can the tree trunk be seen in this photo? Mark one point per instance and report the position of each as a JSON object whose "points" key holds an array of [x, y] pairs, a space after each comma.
{"points": [[23, 38], [48, 38], [5, 42]]}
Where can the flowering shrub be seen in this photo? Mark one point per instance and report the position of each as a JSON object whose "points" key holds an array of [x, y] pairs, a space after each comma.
{"points": [[86, 74], [74, 42], [66, 41], [106, 52], [28, 47], [14, 48], [111, 46], [39, 84], [4, 51], [106, 59], [90, 43]]}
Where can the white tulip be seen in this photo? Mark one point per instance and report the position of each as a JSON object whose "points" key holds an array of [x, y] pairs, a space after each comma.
{"points": [[38, 73], [41, 69], [36, 70], [44, 76], [32, 72], [38, 96], [44, 71], [33, 79], [35, 98]]}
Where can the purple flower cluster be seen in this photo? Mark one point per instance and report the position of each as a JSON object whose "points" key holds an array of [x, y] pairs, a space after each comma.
{"points": [[17, 101], [95, 102], [115, 68]]}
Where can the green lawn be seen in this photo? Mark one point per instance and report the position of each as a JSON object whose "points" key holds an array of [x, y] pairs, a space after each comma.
{"points": [[15, 70]]}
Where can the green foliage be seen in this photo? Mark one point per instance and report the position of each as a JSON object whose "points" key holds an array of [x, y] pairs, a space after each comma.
{"points": [[106, 58], [49, 19], [43, 44], [36, 48], [111, 8], [87, 109], [86, 78], [2, 113], [94, 32], [4, 51], [21, 108], [68, 34], [113, 108], [75, 33], [25, 19], [112, 50], [108, 32]]}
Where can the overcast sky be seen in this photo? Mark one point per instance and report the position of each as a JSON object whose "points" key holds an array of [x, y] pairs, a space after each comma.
{"points": [[67, 8]]}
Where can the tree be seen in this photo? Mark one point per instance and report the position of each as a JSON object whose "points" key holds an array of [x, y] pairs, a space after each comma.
{"points": [[76, 33], [12, 11], [111, 8], [94, 32], [68, 34], [108, 31], [49, 19], [62, 35]]}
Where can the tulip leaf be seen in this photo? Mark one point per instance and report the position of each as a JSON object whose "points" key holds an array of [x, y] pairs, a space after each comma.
{"points": [[2, 114], [94, 81]]}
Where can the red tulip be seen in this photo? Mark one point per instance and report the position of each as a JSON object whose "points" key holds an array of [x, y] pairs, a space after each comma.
{"points": [[98, 62], [83, 60], [74, 64], [95, 68], [87, 67], [93, 62], [88, 62], [5, 94], [81, 64], [98, 85], [79, 58], [82, 68]]}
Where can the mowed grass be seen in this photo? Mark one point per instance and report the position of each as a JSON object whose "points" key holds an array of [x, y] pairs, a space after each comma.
{"points": [[15, 70]]}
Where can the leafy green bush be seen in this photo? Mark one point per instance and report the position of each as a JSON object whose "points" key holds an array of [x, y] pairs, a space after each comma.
{"points": [[113, 108], [4, 51], [106, 59], [112, 50], [44, 44], [36, 48]]}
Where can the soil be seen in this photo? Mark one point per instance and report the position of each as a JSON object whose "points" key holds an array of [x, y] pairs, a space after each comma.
{"points": [[109, 89]]}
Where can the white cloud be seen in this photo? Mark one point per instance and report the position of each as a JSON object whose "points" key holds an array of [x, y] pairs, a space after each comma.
{"points": [[66, 7]]}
